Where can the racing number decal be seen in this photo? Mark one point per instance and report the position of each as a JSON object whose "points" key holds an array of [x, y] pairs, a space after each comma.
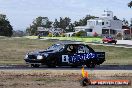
{"points": [[65, 58], [77, 57]]}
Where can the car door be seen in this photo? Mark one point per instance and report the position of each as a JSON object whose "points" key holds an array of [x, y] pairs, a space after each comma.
{"points": [[82, 52], [74, 54], [69, 51]]}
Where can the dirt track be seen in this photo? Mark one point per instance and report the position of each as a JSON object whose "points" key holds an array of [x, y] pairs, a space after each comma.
{"points": [[57, 78], [101, 67]]}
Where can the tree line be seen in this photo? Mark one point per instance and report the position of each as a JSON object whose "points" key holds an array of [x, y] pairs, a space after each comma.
{"points": [[64, 23]]}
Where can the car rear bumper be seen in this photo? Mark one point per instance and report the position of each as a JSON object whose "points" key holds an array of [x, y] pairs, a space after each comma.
{"points": [[113, 41]]}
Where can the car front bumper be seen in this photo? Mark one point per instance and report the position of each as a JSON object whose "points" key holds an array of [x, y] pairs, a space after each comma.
{"points": [[34, 61]]}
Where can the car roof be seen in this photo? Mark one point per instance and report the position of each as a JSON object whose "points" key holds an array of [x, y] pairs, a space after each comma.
{"points": [[66, 42]]}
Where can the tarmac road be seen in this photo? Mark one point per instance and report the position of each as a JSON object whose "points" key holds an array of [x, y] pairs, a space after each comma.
{"points": [[101, 67]]}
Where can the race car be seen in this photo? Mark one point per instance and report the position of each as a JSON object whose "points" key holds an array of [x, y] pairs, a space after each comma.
{"points": [[65, 54], [109, 40]]}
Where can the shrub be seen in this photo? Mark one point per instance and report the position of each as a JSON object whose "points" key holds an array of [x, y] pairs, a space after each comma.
{"points": [[119, 35], [62, 35], [50, 35], [81, 33]]}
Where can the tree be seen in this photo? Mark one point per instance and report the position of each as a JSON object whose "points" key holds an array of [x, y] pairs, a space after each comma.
{"points": [[125, 22], [38, 22], [5, 27], [56, 24], [130, 4], [70, 28], [76, 23], [115, 18], [62, 23], [83, 22]]}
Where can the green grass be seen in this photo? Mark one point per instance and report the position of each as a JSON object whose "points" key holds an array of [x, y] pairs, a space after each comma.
{"points": [[13, 50], [115, 55], [84, 39]]}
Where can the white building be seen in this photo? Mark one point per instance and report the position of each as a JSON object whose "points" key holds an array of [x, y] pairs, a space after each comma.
{"points": [[104, 25]]}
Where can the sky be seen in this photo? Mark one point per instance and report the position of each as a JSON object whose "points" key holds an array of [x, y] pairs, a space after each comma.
{"points": [[21, 13]]}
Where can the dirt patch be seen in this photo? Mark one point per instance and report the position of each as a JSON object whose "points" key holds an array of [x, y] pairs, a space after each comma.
{"points": [[54, 79]]}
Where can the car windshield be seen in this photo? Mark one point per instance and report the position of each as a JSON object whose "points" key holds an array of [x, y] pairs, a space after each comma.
{"points": [[56, 47]]}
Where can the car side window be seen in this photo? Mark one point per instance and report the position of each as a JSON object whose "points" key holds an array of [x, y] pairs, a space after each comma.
{"points": [[83, 49], [71, 49]]}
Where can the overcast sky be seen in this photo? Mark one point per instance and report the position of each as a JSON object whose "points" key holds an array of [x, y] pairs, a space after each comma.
{"points": [[22, 12]]}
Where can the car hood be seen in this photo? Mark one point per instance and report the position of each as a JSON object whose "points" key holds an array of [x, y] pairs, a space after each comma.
{"points": [[42, 52]]}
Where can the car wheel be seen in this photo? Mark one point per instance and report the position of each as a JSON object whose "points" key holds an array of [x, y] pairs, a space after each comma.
{"points": [[91, 65], [35, 65]]}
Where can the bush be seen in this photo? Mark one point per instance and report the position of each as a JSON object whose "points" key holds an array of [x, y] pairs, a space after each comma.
{"points": [[119, 36], [74, 34], [50, 35], [62, 35], [81, 33]]}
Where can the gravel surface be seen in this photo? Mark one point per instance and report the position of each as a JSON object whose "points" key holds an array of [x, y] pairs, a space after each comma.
{"points": [[58, 79]]}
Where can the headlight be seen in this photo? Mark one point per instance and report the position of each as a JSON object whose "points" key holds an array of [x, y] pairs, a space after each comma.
{"points": [[39, 57], [26, 57]]}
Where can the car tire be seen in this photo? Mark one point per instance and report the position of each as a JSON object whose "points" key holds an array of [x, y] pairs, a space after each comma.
{"points": [[35, 65]]}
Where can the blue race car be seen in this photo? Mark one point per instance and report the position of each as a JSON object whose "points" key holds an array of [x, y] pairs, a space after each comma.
{"points": [[66, 54]]}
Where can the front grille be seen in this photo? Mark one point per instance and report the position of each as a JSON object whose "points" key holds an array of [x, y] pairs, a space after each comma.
{"points": [[32, 56]]}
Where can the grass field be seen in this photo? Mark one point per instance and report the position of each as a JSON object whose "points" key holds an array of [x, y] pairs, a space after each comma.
{"points": [[84, 39], [13, 50]]}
